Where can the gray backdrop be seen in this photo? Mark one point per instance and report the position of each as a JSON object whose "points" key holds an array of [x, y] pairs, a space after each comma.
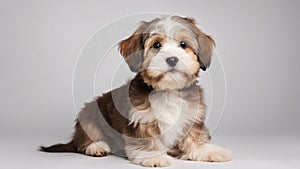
{"points": [[258, 42]]}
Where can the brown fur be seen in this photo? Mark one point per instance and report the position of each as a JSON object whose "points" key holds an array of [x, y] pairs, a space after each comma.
{"points": [[132, 48]]}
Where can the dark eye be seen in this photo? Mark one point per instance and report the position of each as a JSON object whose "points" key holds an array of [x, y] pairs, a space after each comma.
{"points": [[183, 44], [156, 45]]}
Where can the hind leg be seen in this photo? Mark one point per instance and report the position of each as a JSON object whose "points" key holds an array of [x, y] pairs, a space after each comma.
{"points": [[88, 146], [88, 137], [88, 133]]}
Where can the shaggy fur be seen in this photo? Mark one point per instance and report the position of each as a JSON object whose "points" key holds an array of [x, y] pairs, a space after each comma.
{"points": [[160, 113]]}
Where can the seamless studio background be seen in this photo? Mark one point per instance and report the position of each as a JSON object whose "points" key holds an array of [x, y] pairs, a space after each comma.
{"points": [[258, 42]]}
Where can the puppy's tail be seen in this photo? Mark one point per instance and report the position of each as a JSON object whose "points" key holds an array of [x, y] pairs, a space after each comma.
{"points": [[69, 147]]}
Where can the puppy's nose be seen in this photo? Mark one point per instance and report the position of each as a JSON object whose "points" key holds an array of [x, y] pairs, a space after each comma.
{"points": [[172, 61]]}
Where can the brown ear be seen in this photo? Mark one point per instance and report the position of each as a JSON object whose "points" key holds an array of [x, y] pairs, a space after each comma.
{"points": [[132, 48], [206, 44]]}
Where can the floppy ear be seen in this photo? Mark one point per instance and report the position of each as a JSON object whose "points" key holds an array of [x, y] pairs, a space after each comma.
{"points": [[132, 48], [206, 45]]}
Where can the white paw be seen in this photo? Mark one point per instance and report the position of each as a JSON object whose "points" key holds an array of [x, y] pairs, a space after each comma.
{"points": [[220, 155], [156, 161], [210, 153], [97, 149]]}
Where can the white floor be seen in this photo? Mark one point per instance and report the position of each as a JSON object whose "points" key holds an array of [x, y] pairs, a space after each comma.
{"points": [[253, 152]]}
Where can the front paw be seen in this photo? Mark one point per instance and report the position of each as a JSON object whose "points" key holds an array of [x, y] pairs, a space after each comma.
{"points": [[155, 161], [220, 155], [210, 153]]}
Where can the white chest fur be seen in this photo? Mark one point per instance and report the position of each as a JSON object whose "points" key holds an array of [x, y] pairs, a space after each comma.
{"points": [[174, 114]]}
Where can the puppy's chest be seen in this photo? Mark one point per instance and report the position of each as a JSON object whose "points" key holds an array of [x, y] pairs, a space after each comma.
{"points": [[174, 114]]}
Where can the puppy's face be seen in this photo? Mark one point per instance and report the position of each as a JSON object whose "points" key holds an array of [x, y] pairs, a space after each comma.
{"points": [[168, 52]]}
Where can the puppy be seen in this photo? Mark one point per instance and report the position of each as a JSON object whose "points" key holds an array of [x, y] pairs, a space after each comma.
{"points": [[160, 113]]}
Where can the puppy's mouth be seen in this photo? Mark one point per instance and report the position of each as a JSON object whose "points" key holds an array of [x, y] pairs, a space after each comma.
{"points": [[172, 70]]}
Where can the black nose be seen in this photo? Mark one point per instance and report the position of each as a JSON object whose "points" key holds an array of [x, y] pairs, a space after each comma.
{"points": [[172, 61]]}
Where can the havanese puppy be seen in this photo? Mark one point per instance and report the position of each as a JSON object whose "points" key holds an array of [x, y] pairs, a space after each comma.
{"points": [[160, 113]]}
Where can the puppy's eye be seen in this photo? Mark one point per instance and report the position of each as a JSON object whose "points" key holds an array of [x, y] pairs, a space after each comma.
{"points": [[183, 45], [156, 45]]}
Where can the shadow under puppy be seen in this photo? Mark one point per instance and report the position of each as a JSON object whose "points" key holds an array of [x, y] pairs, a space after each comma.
{"points": [[160, 113]]}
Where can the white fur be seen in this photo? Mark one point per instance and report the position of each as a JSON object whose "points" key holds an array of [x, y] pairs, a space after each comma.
{"points": [[170, 105], [208, 152], [97, 149], [167, 107], [161, 160], [168, 26], [137, 115], [141, 154]]}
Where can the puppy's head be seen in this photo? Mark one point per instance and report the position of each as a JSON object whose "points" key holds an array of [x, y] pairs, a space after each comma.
{"points": [[168, 52]]}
